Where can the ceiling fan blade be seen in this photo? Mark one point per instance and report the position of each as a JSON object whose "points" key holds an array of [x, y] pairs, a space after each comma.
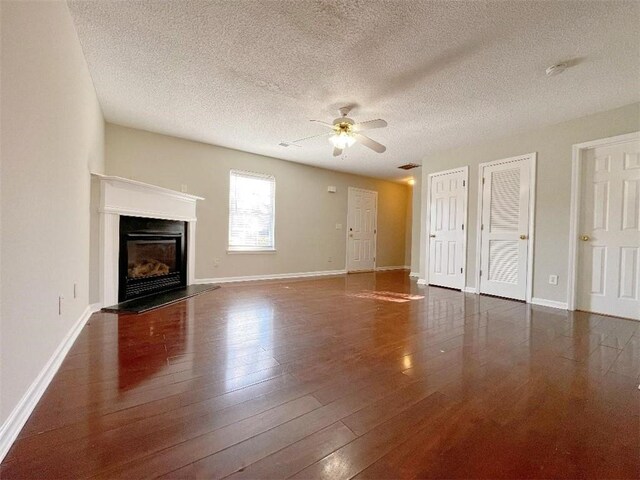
{"points": [[312, 136], [324, 124], [367, 142], [337, 152], [370, 124]]}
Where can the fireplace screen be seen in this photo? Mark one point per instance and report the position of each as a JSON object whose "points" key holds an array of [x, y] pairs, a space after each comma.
{"points": [[150, 258], [153, 256]]}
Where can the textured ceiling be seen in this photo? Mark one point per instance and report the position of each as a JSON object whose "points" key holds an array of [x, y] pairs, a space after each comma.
{"points": [[250, 74]]}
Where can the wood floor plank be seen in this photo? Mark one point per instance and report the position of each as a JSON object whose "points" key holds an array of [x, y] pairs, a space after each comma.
{"points": [[201, 446], [320, 378], [239, 456], [93, 426], [354, 457], [299, 455]]}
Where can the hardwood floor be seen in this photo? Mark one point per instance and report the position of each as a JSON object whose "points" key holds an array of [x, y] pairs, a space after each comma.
{"points": [[359, 376]]}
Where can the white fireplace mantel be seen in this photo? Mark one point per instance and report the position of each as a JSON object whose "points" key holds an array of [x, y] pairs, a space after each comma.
{"points": [[122, 196]]}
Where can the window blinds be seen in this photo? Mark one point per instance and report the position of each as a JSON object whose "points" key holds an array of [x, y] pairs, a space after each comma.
{"points": [[251, 211]]}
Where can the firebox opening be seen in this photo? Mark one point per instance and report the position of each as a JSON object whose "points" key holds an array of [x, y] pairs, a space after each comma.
{"points": [[150, 258], [153, 256]]}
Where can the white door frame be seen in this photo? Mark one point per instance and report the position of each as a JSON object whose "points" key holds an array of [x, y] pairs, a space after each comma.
{"points": [[465, 170], [532, 157], [375, 230], [574, 218]]}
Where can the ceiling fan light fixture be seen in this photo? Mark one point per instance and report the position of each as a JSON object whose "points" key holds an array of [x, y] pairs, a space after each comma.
{"points": [[344, 132], [342, 140]]}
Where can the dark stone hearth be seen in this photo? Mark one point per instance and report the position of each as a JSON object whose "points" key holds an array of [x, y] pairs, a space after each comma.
{"points": [[144, 304]]}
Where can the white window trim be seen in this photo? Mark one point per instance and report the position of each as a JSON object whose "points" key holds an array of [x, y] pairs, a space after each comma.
{"points": [[243, 251], [231, 250]]}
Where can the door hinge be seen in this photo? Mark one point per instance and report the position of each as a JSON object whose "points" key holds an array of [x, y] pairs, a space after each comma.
{"points": [[375, 231], [480, 272], [460, 270], [483, 180], [464, 183], [463, 226], [482, 227]]}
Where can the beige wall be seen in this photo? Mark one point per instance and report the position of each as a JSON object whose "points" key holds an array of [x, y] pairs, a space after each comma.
{"points": [[52, 135], [407, 234], [306, 214], [553, 145], [416, 211]]}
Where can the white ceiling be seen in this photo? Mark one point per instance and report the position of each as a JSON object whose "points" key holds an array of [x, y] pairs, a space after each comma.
{"points": [[250, 74]]}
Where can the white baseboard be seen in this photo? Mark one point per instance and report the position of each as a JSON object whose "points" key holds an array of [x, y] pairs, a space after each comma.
{"points": [[18, 417], [414, 274], [549, 303], [385, 269], [95, 307], [275, 276], [422, 281]]}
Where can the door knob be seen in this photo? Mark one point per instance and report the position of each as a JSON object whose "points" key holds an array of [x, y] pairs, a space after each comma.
{"points": [[523, 237], [433, 235], [585, 238]]}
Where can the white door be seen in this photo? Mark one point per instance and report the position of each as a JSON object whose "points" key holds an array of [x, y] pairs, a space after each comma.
{"points": [[361, 229], [448, 209], [609, 250], [504, 231]]}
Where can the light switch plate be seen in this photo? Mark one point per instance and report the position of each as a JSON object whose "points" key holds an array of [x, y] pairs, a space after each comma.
{"points": [[553, 279], [338, 226]]}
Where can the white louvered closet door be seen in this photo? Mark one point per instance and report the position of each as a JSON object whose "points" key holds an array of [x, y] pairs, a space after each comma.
{"points": [[505, 229]]}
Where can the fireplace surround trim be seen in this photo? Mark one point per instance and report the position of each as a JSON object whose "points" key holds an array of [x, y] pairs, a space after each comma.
{"points": [[117, 196]]}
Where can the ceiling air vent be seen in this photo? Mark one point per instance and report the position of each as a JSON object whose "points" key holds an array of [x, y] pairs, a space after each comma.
{"points": [[409, 166]]}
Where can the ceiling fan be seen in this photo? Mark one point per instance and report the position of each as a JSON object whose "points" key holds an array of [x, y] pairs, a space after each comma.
{"points": [[345, 132]]}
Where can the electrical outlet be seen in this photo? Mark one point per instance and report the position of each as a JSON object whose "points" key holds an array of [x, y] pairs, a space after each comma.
{"points": [[553, 279], [183, 188], [330, 259], [216, 262]]}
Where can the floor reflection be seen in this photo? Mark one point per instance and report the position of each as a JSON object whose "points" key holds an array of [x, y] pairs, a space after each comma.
{"points": [[386, 296], [249, 332], [145, 339], [256, 381]]}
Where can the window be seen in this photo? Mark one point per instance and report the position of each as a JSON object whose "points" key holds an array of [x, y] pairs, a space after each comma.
{"points": [[251, 211]]}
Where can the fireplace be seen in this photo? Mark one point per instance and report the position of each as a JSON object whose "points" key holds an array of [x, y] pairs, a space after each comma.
{"points": [[153, 256]]}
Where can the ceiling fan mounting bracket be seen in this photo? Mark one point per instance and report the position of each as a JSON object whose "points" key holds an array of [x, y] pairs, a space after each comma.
{"points": [[344, 111]]}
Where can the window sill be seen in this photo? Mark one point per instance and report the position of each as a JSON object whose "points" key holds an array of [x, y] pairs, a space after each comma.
{"points": [[250, 252]]}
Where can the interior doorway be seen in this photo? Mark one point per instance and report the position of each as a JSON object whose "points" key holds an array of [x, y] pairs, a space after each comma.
{"points": [[448, 199], [362, 229], [604, 267]]}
